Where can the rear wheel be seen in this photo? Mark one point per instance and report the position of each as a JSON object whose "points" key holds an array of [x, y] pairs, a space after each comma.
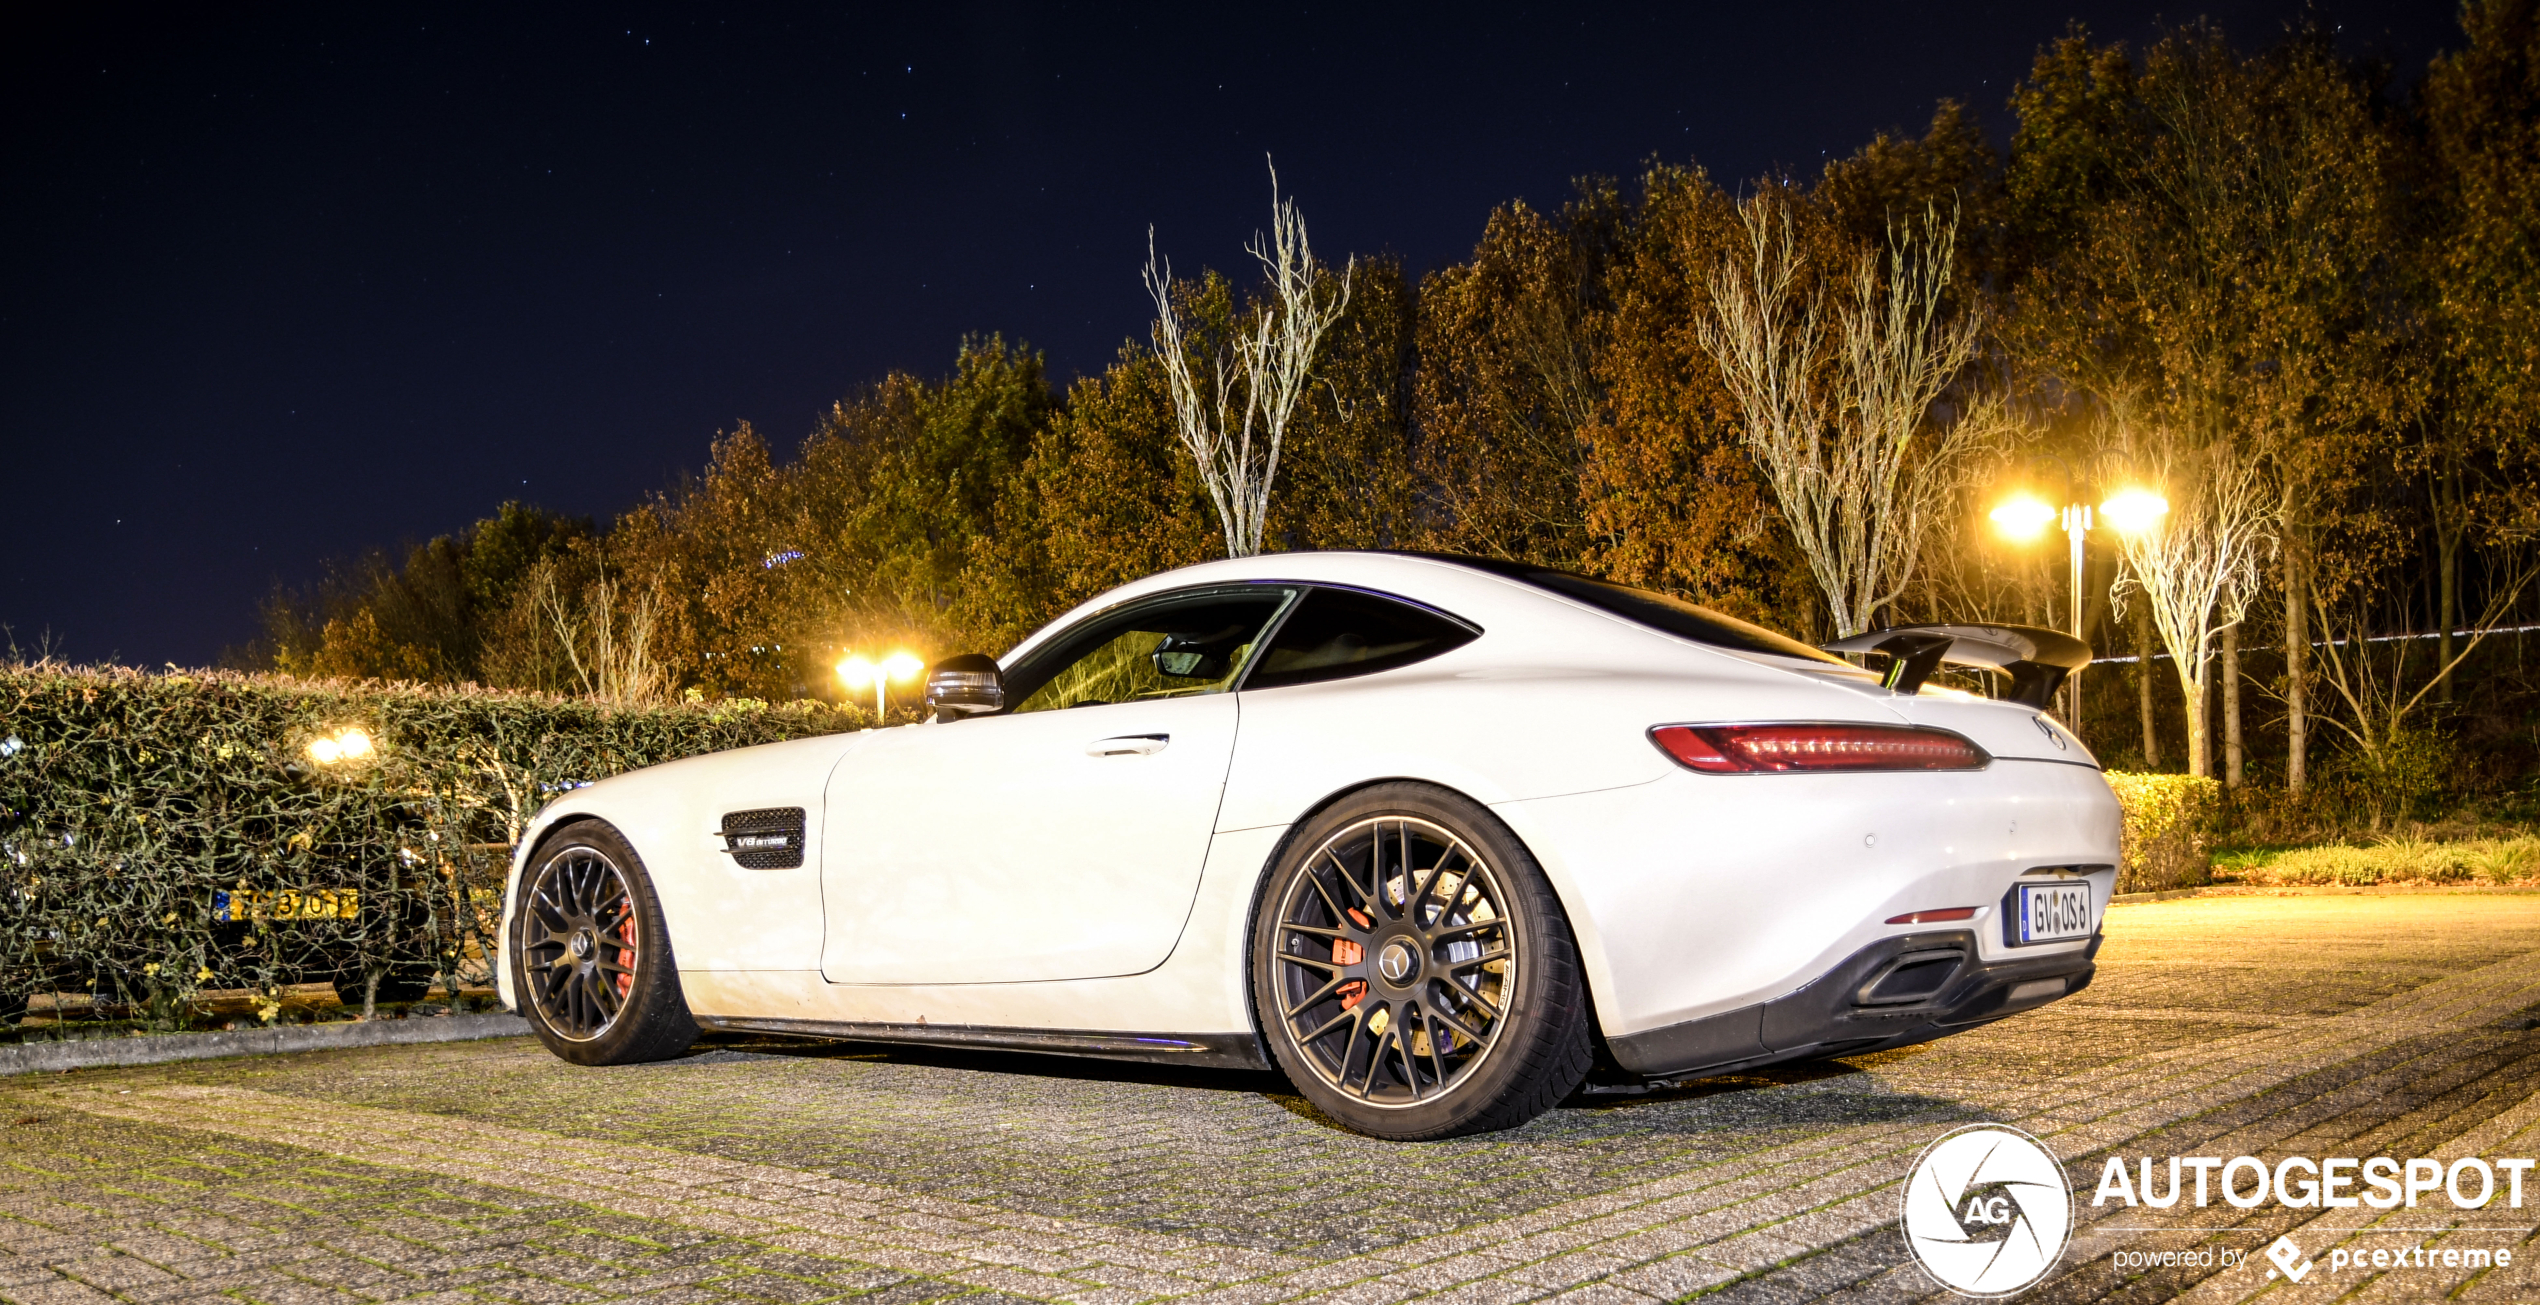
{"points": [[1415, 973], [591, 954]]}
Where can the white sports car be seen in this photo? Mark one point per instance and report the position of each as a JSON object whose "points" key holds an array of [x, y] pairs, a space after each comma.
{"points": [[1430, 834]]}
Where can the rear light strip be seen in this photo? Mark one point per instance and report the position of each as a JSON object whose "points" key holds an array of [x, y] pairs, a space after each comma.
{"points": [[1936, 917], [1815, 747]]}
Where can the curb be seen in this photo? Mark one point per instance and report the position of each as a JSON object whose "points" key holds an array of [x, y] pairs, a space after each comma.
{"points": [[94, 1053], [2128, 899]]}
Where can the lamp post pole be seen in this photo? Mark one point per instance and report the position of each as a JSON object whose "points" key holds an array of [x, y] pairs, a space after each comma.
{"points": [[2076, 527], [854, 671]]}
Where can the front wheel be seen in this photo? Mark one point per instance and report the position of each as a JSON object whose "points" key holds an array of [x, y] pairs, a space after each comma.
{"points": [[591, 955], [1414, 971]]}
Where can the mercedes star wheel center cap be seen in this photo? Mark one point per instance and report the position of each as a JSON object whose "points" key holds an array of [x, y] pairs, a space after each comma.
{"points": [[1395, 960], [581, 943]]}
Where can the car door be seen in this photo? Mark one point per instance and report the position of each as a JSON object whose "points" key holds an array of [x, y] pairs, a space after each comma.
{"points": [[1061, 839]]}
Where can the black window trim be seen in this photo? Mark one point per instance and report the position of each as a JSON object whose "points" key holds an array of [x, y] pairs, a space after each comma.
{"points": [[1306, 590]]}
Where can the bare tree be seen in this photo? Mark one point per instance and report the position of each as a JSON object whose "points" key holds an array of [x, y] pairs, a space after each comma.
{"points": [[1835, 415], [2371, 676], [2199, 566], [607, 645], [1253, 393]]}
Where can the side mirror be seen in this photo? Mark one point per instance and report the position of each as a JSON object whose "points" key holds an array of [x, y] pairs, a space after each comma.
{"points": [[966, 685]]}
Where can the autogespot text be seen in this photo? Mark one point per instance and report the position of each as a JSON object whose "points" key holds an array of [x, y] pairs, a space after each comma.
{"points": [[2302, 1183]]}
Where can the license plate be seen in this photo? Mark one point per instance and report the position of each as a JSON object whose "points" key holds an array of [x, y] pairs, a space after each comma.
{"points": [[289, 904], [2054, 912]]}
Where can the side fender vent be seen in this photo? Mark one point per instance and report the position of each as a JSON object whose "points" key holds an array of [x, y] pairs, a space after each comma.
{"points": [[770, 838]]}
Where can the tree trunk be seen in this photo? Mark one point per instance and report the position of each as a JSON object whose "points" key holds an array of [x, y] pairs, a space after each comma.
{"points": [[2233, 757], [2448, 523], [2447, 616], [2297, 662], [2194, 689], [2143, 683]]}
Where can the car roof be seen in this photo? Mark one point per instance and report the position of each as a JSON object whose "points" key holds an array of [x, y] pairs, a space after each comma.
{"points": [[1489, 592]]}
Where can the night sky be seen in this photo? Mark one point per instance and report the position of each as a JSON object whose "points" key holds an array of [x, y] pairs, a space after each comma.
{"points": [[281, 287]]}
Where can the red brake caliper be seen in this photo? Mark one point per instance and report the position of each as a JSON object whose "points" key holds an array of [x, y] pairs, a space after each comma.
{"points": [[626, 957], [1346, 952]]}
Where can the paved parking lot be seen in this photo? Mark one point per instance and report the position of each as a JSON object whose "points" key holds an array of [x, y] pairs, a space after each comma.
{"points": [[763, 1173]]}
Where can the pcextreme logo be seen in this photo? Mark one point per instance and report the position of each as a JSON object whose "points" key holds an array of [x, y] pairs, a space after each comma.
{"points": [[1987, 1210], [2283, 1252]]}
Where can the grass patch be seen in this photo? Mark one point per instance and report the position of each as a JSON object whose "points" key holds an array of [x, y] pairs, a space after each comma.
{"points": [[2390, 859]]}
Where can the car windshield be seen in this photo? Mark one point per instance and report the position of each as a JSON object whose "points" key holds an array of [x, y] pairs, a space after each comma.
{"points": [[1653, 609]]}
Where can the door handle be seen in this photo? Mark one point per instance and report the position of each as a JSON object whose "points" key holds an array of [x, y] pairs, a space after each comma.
{"points": [[1127, 745]]}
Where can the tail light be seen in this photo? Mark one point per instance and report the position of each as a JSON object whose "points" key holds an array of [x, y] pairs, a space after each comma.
{"points": [[1767, 749]]}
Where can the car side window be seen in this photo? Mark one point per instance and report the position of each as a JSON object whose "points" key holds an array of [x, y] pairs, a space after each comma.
{"points": [[1337, 633], [1170, 648]]}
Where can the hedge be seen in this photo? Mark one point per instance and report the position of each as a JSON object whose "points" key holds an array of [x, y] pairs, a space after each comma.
{"points": [[2169, 822], [162, 834], [2401, 858]]}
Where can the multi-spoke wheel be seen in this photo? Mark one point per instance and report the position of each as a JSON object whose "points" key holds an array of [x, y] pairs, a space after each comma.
{"points": [[591, 958], [1414, 971]]}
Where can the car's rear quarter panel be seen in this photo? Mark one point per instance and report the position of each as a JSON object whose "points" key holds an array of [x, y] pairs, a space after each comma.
{"points": [[1708, 893]]}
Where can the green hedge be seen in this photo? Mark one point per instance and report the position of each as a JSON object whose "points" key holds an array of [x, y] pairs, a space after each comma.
{"points": [[2399, 858], [2169, 822], [136, 808]]}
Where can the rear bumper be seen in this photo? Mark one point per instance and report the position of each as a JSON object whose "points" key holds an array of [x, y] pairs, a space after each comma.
{"points": [[1703, 895], [1892, 993]]}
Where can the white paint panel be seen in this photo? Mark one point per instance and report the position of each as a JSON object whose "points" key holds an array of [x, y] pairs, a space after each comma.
{"points": [[1699, 894], [1003, 849], [721, 916], [1199, 989]]}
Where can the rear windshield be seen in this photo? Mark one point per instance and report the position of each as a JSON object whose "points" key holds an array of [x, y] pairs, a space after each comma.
{"points": [[1656, 610]]}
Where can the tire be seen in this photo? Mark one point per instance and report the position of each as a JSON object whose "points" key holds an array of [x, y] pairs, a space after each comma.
{"points": [[1430, 1004], [407, 984], [401, 985], [590, 953], [406, 981]]}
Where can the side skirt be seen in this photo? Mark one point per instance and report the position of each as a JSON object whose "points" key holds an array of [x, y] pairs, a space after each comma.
{"points": [[1210, 1050]]}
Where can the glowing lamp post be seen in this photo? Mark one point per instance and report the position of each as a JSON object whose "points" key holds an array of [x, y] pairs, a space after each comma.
{"points": [[856, 672], [2025, 516]]}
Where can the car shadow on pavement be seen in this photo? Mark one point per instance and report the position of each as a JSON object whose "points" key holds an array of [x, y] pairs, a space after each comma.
{"points": [[1077, 1068], [1733, 1103]]}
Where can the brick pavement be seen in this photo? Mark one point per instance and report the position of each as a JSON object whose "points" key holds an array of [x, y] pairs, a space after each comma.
{"points": [[491, 1172]]}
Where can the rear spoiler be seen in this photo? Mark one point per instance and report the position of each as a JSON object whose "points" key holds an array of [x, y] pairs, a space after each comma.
{"points": [[2037, 660]]}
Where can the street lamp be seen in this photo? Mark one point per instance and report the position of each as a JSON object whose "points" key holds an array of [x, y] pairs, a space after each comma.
{"points": [[856, 672], [2023, 516], [351, 743], [2134, 511]]}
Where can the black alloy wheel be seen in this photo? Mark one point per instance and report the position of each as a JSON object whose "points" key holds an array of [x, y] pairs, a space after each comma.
{"points": [[591, 955], [1414, 970]]}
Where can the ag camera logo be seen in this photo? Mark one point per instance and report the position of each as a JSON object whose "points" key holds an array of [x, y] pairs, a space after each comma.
{"points": [[1987, 1210]]}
